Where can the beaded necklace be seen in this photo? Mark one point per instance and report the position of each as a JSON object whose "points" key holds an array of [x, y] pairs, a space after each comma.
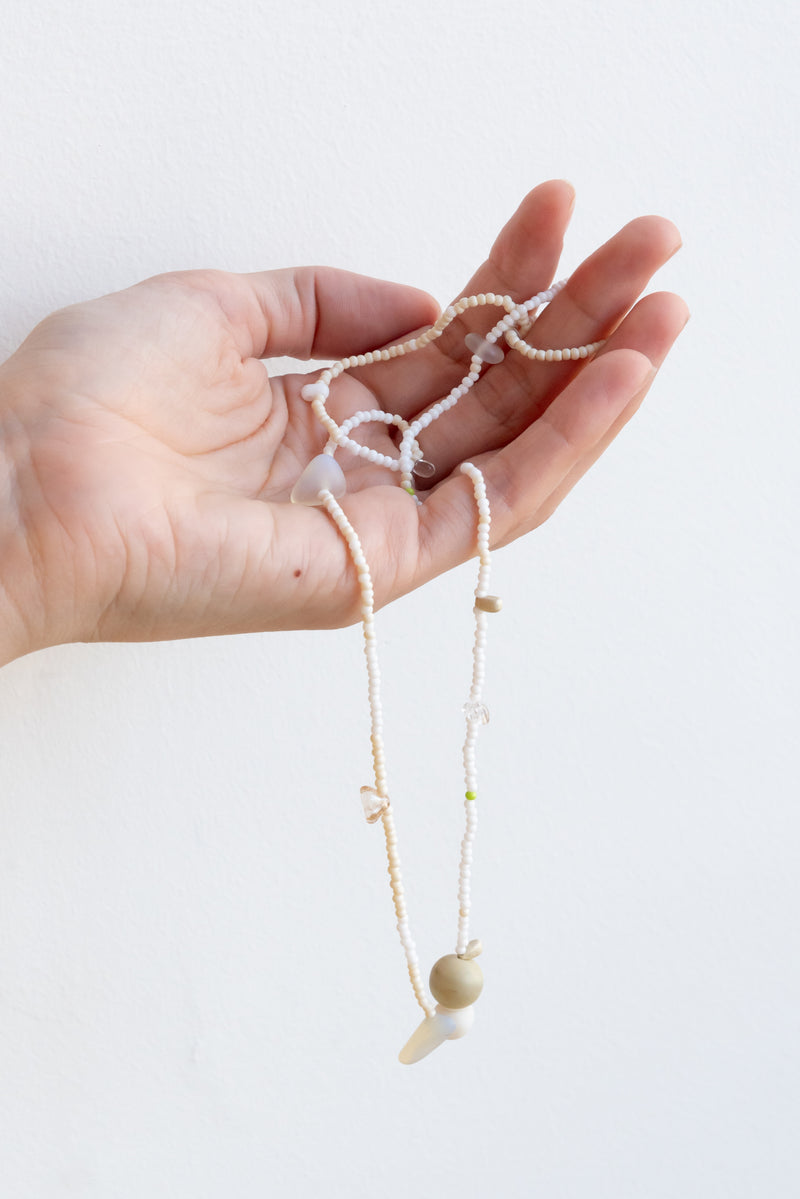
{"points": [[456, 979]]}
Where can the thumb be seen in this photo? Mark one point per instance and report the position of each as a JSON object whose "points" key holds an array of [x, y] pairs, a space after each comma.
{"points": [[317, 312]]}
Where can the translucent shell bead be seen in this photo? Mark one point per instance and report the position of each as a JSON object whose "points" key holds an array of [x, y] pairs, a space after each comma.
{"points": [[374, 805], [487, 351], [476, 713], [323, 473]]}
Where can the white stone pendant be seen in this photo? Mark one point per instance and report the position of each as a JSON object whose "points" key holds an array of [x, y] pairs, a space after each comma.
{"points": [[323, 473], [444, 1025]]}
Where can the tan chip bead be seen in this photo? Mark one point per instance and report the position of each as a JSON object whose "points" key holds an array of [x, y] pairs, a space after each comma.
{"points": [[488, 603]]}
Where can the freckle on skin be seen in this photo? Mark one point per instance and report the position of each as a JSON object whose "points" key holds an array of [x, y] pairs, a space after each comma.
{"points": [[297, 574]]}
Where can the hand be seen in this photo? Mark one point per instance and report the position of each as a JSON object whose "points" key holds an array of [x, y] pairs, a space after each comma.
{"points": [[150, 458]]}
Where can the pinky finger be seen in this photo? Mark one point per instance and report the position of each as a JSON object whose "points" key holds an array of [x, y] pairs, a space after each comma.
{"points": [[651, 327]]}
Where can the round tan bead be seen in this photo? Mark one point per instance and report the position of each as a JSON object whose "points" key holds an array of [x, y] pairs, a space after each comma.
{"points": [[488, 603], [456, 982]]}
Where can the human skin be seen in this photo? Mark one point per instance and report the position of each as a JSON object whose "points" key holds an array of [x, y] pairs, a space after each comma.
{"points": [[146, 457]]}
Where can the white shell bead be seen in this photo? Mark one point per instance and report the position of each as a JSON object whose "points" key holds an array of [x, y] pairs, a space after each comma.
{"points": [[323, 473], [315, 391]]}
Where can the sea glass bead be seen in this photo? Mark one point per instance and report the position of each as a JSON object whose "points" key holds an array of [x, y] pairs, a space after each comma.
{"points": [[487, 351], [423, 469]]}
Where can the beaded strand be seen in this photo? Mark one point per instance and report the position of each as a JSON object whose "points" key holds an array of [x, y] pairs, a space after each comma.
{"points": [[456, 979], [485, 351], [377, 803], [475, 711]]}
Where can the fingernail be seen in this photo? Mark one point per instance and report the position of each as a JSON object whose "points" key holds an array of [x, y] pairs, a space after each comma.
{"points": [[647, 378]]}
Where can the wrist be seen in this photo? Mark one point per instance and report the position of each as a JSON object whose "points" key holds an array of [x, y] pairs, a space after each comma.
{"points": [[21, 606]]}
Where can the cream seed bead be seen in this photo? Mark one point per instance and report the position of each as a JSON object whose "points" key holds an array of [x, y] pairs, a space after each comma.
{"points": [[571, 353]]}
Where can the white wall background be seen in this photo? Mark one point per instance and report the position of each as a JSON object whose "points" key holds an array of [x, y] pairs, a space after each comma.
{"points": [[201, 994]]}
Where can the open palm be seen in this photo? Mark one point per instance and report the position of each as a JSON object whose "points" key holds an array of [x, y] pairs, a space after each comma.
{"points": [[154, 456]]}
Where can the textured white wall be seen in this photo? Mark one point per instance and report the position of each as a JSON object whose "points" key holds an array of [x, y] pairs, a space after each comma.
{"points": [[201, 994]]}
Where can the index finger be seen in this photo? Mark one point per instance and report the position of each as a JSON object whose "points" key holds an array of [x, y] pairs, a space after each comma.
{"points": [[521, 263]]}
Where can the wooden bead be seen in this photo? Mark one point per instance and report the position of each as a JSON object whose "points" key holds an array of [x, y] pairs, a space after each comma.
{"points": [[488, 603], [456, 982]]}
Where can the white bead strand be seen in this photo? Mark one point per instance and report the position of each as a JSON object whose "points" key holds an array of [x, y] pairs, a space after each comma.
{"points": [[572, 353], [474, 709], [486, 353], [378, 756]]}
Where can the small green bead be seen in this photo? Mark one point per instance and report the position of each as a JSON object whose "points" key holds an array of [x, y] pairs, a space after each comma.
{"points": [[471, 795], [407, 487]]}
